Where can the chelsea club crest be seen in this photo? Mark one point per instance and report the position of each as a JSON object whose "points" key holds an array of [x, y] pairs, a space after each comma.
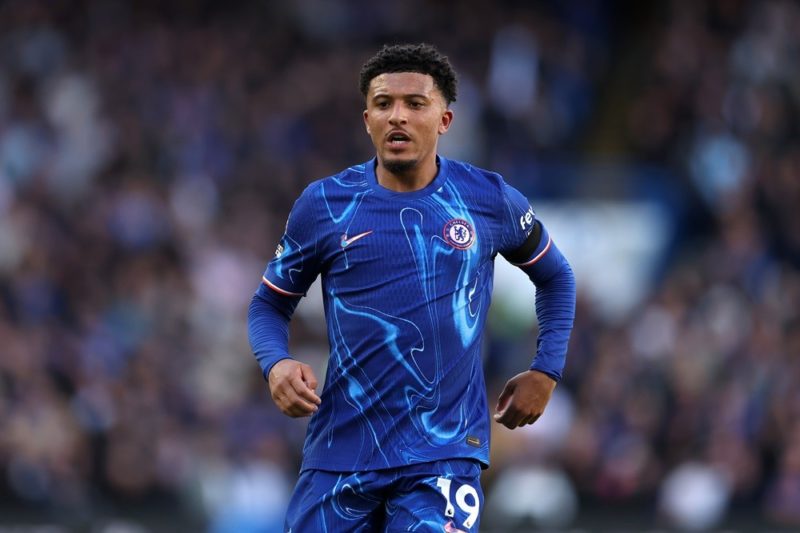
{"points": [[459, 233]]}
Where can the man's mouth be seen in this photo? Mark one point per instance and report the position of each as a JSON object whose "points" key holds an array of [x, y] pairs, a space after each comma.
{"points": [[398, 139]]}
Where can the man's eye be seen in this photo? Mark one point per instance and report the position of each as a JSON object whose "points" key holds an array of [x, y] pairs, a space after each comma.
{"points": [[382, 105], [416, 105]]}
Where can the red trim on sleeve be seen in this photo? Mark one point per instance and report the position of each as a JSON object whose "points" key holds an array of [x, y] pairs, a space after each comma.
{"points": [[539, 255], [277, 289]]}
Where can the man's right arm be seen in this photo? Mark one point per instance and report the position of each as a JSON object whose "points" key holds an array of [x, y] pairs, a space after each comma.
{"points": [[292, 384], [268, 326], [286, 279]]}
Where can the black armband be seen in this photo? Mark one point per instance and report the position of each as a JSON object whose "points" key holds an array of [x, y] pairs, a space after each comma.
{"points": [[524, 252]]}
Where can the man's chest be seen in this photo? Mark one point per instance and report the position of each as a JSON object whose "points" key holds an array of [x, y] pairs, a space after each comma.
{"points": [[436, 244]]}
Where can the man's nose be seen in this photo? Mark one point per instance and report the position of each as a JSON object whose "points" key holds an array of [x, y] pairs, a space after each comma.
{"points": [[398, 115]]}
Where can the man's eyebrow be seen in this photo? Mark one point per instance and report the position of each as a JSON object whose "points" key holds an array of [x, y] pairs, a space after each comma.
{"points": [[389, 95]]}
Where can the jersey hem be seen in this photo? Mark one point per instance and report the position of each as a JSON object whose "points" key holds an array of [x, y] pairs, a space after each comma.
{"points": [[328, 467]]}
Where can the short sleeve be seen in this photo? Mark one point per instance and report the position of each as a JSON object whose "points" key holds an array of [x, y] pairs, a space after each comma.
{"points": [[518, 220], [296, 263]]}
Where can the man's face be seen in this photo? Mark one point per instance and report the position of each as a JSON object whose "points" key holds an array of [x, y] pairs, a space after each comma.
{"points": [[405, 115]]}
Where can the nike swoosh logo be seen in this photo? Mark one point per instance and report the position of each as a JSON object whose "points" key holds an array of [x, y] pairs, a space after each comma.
{"points": [[347, 242]]}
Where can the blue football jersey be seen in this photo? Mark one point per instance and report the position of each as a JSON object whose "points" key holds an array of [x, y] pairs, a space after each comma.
{"points": [[407, 282]]}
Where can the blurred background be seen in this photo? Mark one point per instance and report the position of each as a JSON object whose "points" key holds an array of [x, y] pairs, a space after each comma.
{"points": [[150, 152]]}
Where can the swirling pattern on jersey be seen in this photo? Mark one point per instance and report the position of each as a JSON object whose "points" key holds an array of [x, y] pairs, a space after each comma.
{"points": [[291, 248], [405, 309]]}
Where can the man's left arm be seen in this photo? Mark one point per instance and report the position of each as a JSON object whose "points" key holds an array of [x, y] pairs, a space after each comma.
{"points": [[526, 395]]}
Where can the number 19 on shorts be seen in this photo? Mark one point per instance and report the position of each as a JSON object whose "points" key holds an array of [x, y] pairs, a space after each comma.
{"points": [[466, 497]]}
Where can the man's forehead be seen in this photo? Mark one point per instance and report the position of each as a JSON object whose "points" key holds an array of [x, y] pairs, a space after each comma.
{"points": [[402, 83]]}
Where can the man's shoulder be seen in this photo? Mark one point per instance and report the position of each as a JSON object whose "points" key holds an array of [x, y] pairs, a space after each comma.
{"points": [[351, 178], [346, 182], [479, 177]]}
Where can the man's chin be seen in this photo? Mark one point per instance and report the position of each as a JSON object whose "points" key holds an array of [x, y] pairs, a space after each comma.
{"points": [[399, 166]]}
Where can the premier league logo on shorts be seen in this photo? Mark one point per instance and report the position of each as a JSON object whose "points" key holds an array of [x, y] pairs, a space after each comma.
{"points": [[459, 234]]}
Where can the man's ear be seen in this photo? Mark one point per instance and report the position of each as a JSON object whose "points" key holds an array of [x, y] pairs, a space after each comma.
{"points": [[447, 119], [366, 124]]}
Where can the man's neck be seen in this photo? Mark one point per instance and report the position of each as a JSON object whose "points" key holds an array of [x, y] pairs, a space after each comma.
{"points": [[414, 179]]}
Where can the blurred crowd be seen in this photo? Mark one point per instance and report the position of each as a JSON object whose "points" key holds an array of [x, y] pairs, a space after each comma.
{"points": [[150, 152]]}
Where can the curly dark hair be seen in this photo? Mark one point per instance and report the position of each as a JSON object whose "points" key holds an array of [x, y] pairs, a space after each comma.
{"points": [[422, 58]]}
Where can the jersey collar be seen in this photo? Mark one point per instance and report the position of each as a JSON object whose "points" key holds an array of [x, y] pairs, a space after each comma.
{"points": [[432, 187]]}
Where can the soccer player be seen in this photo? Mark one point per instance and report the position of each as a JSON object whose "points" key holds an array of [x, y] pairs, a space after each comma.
{"points": [[405, 244]]}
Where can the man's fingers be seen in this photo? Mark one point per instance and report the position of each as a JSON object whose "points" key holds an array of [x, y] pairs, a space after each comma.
{"points": [[290, 403], [301, 408], [295, 399], [528, 420], [506, 413], [292, 385], [513, 418], [507, 421], [504, 398], [302, 389], [524, 398], [509, 417], [309, 378]]}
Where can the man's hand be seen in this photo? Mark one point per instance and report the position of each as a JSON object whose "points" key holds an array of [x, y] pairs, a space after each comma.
{"points": [[524, 398], [292, 385]]}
